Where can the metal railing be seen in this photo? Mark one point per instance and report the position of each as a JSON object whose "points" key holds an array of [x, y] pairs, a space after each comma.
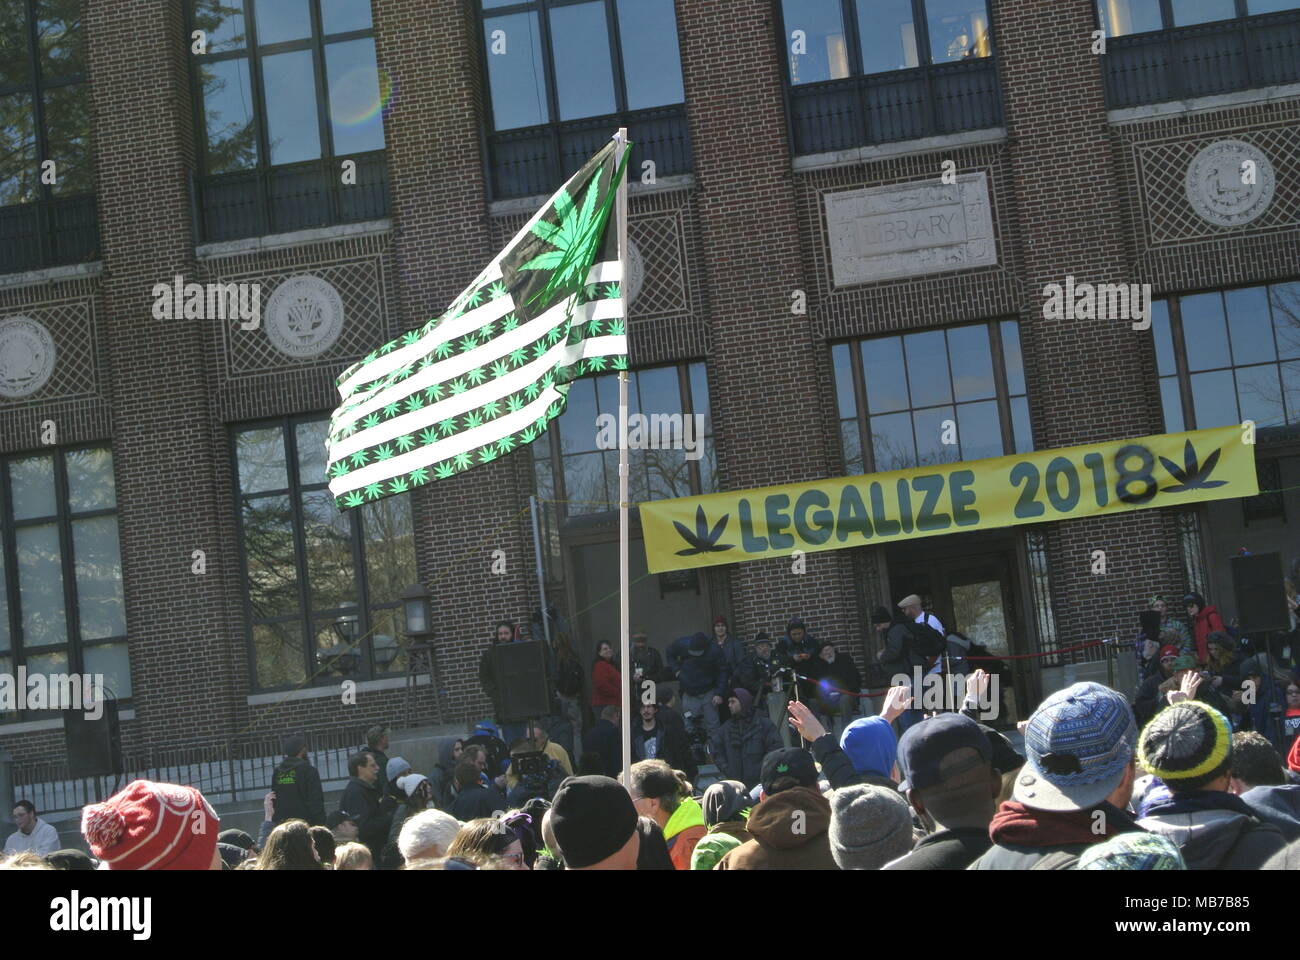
{"points": [[900, 105], [533, 160], [48, 233], [1202, 60], [225, 770], [293, 196]]}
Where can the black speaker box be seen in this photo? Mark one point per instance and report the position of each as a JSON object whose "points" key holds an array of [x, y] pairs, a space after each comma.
{"points": [[1260, 593], [520, 672], [94, 746]]}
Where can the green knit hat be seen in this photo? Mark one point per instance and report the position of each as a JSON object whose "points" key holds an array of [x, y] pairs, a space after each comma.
{"points": [[1186, 744], [1185, 662]]}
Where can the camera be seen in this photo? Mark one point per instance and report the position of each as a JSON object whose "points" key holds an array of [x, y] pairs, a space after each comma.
{"points": [[529, 764]]}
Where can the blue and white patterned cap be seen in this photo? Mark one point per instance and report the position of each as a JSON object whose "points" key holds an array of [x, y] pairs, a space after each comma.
{"points": [[1078, 744]]}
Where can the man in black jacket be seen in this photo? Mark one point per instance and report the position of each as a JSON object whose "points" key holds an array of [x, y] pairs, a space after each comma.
{"points": [[605, 741], [298, 794], [361, 803], [654, 740], [949, 779]]}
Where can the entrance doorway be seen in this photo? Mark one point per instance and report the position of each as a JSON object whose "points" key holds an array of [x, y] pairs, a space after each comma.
{"points": [[971, 583]]}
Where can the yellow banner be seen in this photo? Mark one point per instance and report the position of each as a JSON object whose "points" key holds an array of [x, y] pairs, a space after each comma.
{"points": [[1039, 487]]}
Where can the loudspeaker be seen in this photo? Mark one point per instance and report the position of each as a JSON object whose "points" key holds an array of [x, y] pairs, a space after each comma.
{"points": [[520, 672], [94, 746], [1261, 595]]}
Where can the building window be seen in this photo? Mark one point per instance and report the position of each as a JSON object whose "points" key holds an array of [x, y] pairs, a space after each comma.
{"points": [[873, 71], [665, 398], [62, 609], [562, 75], [322, 587], [288, 99], [47, 176], [1162, 50], [1229, 356], [1270, 502], [937, 396]]}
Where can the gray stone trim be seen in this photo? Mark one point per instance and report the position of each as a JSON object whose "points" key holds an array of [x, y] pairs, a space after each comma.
{"points": [[904, 148], [323, 693], [1196, 105], [298, 238], [33, 278]]}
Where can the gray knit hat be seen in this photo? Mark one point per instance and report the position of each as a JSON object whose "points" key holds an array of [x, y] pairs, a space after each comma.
{"points": [[870, 826]]}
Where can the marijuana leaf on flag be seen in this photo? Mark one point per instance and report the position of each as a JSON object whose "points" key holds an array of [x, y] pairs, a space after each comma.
{"points": [[488, 375]]}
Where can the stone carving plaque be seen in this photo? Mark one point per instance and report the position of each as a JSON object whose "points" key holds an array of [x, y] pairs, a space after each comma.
{"points": [[27, 356], [1230, 183], [908, 229], [304, 316]]}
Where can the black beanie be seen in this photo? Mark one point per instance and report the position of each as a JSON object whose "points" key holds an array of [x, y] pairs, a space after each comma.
{"points": [[593, 818]]}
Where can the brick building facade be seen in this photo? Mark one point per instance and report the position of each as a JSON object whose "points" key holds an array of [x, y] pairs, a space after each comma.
{"points": [[729, 238]]}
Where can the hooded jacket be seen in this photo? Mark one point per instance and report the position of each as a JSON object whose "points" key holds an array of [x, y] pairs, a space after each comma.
{"points": [[671, 745], [733, 655], [699, 675], [1214, 830], [721, 839], [838, 767], [1207, 621], [683, 831], [1278, 805], [1024, 837], [298, 794], [442, 777], [897, 657], [361, 801], [777, 844], [740, 745]]}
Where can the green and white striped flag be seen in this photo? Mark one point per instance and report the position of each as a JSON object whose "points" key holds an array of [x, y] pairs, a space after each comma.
{"points": [[489, 374]]}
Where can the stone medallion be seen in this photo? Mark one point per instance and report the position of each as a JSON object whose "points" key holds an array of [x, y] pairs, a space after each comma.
{"points": [[635, 273], [27, 356], [1219, 186], [304, 316]]}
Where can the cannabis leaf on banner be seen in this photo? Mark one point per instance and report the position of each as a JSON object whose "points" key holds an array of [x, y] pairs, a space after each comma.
{"points": [[703, 540], [1192, 475]]}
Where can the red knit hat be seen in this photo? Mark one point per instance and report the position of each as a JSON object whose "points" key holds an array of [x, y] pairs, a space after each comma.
{"points": [[152, 826], [1168, 650], [720, 619], [1293, 758]]}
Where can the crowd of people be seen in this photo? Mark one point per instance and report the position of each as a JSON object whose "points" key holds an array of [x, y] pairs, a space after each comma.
{"points": [[1201, 770]]}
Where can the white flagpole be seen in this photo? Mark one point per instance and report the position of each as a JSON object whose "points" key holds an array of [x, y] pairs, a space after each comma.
{"points": [[625, 646]]}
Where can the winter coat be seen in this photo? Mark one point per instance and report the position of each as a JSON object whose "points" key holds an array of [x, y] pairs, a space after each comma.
{"points": [[361, 801], [298, 794], [1207, 622], [606, 685], [776, 844], [671, 746], [683, 831], [740, 745], [1024, 838], [838, 768], [651, 663], [897, 656], [1222, 835], [705, 674], [477, 801], [755, 675], [945, 850], [733, 654], [442, 777], [721, 839], [841, 674], [1278, 805], [605, 740]]}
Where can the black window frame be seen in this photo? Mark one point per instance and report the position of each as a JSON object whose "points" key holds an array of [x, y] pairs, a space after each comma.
{"points": [[851, 95], [63, 517], [1183, 373], [316, 675], [1002, 394], [1176, 63], [329, 202], [50, 230], [660, 134], [548, 448]]}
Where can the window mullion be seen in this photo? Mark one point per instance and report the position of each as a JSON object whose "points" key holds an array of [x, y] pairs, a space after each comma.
{"points": [[1000, 385], [616, 56], [67, 563], [9, 543], [852, 41], [259, 114], [921, 31], [362, 585], [1180, 363], [299, 543], [552, 91], [864, 415]]}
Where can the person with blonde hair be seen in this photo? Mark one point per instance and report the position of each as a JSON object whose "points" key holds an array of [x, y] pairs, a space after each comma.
{"points": [[353, 856], [487, 837], [24, 861]]}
